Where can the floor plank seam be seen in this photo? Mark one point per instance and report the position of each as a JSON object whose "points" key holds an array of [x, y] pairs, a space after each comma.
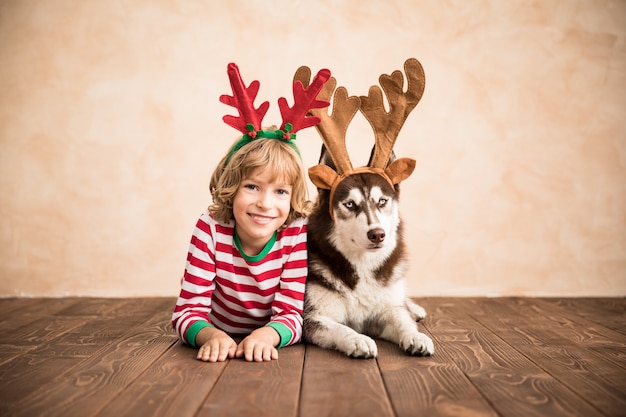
{"points": [[209, 392], [299, 405], [386, 388], [468, 378]]}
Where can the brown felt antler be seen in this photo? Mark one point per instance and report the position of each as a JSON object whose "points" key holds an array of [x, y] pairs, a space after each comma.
{"points": [[332, 129], [387, 125]]}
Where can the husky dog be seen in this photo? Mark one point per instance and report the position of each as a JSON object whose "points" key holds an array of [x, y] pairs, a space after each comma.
{"points": [[357, 257], [357, 262]]}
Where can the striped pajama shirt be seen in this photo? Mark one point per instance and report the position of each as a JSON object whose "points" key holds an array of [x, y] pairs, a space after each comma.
{"points": [[224, 288]]}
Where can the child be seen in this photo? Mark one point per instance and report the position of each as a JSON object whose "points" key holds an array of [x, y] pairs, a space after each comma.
{"points": [[247, 262]]}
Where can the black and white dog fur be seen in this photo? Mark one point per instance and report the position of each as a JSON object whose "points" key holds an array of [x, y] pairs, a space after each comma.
{"points": [[355, 290]]}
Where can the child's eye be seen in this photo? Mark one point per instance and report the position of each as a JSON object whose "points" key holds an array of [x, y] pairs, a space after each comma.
{"points": [[282, 192], [250, 186]]}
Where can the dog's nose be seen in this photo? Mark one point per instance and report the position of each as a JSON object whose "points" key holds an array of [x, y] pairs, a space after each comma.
{"points": [[376, 235]]}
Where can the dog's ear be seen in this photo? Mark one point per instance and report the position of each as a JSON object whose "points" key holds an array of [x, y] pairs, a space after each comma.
{"points": [[323, 176], [392, 157], [400, 169], [326, 159]]}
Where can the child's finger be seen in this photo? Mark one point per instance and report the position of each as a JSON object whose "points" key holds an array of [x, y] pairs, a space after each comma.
{"points": [[232, 350], [223, 352], [239, 350], [270, 354], [215, 351], [250, 352], [265, 353], [259, 353], [205, 352]]}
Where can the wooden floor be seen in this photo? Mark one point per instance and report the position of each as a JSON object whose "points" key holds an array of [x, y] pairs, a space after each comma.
{"points": [[494, 357]]}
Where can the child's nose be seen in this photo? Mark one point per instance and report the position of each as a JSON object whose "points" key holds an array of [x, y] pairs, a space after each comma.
{"points": [[265, 200]]}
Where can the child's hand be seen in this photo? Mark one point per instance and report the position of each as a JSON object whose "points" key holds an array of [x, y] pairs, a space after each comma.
{"points": [[216, 345], [259, 346]]}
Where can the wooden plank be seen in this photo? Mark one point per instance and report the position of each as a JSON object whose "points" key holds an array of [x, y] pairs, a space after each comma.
{"points": [[9, 306], [513, 384], [25, 374], [30, 326], [96, 381], [90, 337], [541, 310], [610, 312], [9, 353], [428, 386], [17, 313], [565, 326], [46, 329], [35, 326], [97, 306], [100, 330], [555, 350], [174, 385], [32, 307], [73, 327], [117, 307], [336, 385], [259, 389]]}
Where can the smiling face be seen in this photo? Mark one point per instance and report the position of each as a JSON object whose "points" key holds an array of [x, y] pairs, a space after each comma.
{"points": [[279, 159], [260, 207]]}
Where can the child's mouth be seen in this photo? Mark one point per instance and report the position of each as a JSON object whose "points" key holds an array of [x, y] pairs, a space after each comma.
{"points": [[261, 219]]}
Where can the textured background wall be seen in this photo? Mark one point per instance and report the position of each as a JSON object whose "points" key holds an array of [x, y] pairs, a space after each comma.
{"points": [[110, 127]]}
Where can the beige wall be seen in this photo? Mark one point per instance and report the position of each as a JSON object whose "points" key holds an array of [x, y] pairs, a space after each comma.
{"points": [[110, 127]]}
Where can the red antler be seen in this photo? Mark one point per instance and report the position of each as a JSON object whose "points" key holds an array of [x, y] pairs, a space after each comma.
{"points": [[305, 99], [243, 100]]}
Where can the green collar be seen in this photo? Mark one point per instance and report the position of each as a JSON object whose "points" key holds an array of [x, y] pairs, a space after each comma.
{"points": [[261, 255]]}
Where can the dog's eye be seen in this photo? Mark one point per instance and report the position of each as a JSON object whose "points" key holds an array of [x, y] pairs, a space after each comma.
{"points": [[382, 202], [349, 205]]}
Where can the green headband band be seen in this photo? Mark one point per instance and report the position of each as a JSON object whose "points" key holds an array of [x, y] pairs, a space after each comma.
{"points": [[282, 135]]}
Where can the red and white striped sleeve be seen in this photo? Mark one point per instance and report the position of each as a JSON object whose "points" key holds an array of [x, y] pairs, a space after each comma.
{"points": [[289, 300], [192, 309]]}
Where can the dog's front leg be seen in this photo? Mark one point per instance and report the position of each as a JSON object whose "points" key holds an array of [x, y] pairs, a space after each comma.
{"points": [[402, 329], [329, 334]]}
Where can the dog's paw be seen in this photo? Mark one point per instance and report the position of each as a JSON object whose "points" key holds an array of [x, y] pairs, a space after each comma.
{"points": [[417, 344], [417, 312], [361, 346]]}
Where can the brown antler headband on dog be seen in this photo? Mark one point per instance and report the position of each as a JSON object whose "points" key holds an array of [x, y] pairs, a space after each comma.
{"points": [[386, 126]]}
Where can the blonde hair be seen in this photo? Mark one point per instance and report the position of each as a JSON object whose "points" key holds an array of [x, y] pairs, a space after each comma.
{"points": [[278, 156]]}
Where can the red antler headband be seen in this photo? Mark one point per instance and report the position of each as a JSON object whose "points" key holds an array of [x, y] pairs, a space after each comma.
{"points": [[294, 118]]}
